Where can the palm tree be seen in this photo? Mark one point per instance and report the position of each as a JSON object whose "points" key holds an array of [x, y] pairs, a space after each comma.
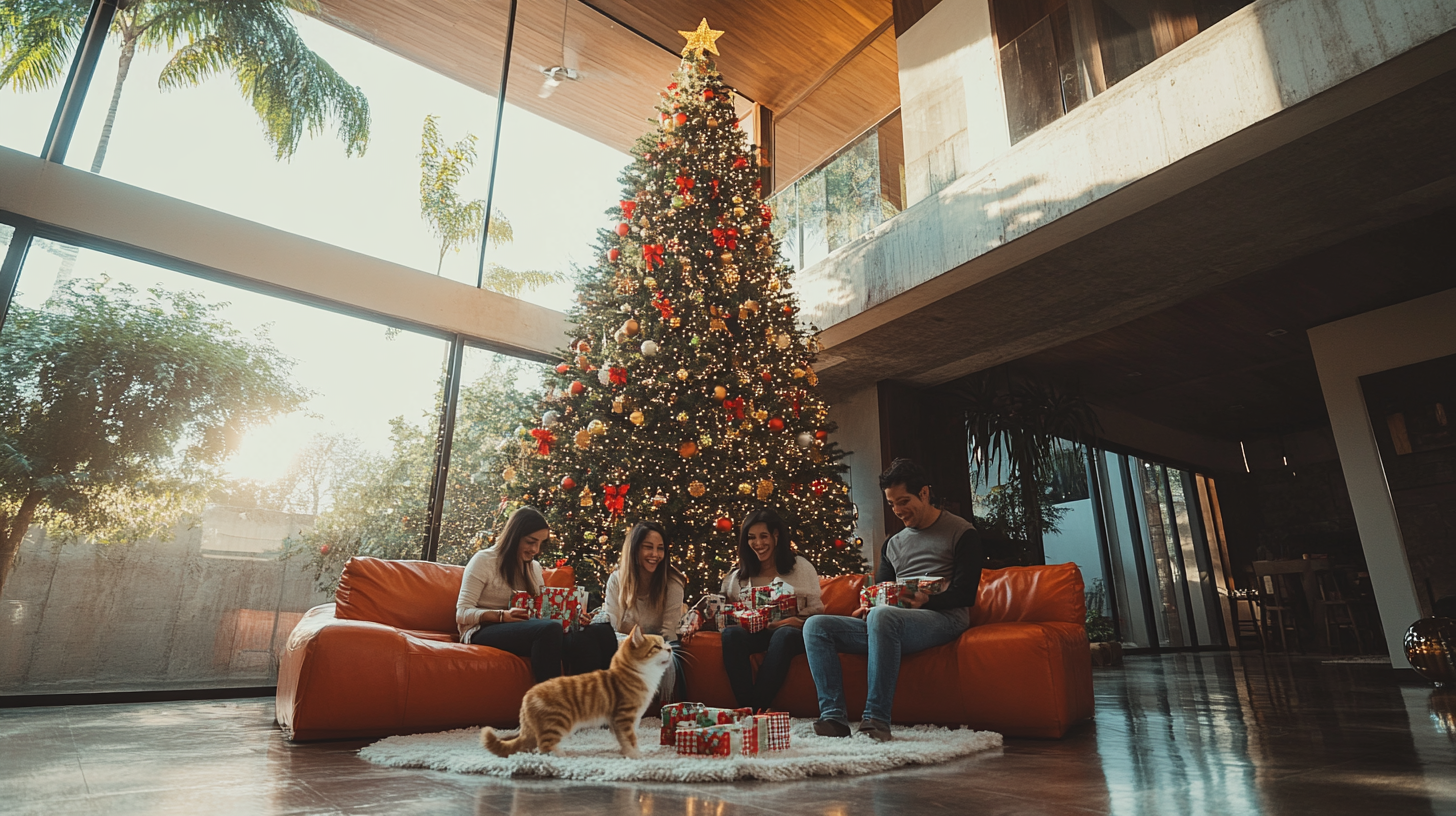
{"points": [[455, 222], [292, 89]]}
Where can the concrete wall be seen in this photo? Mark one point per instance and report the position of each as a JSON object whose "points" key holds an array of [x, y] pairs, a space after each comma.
{"points": [[76, 200], [858, 416], [1166, 127], [1344, 351]]}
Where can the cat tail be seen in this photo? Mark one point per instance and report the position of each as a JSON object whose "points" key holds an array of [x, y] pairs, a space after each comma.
{"points": [[497, 746]]}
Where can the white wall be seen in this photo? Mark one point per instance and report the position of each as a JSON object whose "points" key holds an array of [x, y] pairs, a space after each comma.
{"points": [[1344, 351], [858, 416], [81, 201]]}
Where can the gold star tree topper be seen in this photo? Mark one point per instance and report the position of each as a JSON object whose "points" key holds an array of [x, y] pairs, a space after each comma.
{"points": [[704, 39]]}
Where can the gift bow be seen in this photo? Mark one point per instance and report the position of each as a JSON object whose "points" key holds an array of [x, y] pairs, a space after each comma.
{"points": [[652, 253], [726, 238], [544, 439], [740, 162], [663, 305], [765, 214], [684, 183], [715, 184], [734, 407], [617, 375], [628, 207], [614, 497]]}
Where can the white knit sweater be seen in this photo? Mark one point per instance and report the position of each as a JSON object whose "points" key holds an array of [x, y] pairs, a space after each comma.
{"points": [[483, 591], [653, 621]]}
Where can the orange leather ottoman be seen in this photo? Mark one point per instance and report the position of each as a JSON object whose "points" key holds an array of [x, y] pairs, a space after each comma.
{"points": [[385, 658], [1023, 669]]}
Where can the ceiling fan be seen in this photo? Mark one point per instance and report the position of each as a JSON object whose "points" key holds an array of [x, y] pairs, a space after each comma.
{"points": [[557, 74]]}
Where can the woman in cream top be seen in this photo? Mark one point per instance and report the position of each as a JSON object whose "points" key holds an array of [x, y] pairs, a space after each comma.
{"points": [[484, 615], [765, 553], [646, 590]]}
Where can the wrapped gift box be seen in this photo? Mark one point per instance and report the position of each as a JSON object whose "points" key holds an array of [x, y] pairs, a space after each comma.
{"points": [[785, 603], [565, 604], [732, 739], [888, 593], [754, 620], [752, 597], [773, 730], [675, 715]]}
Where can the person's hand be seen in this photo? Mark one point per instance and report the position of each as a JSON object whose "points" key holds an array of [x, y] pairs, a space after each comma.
{"points": [[918, 599], [514, 614], [861, 612]]}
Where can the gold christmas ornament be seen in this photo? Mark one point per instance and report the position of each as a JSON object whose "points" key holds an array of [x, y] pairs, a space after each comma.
{"points": [[683, 417], [509, 474], [760, 415], [765, 489], [745, 488], [712, 122], [688, 449], [631, 327], [720, 393], [637, 418], [658, 500], [737, 199], [730, 276], [583, 439], [682, 373], [738, 211], [617, 406], [773, 281], [784, 341], [650, 283], [798, 373], [697, 489], [675, 322], [586, 497], [596, 427]]}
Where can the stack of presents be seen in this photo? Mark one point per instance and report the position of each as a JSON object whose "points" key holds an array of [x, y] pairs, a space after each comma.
{"points": [[754, 610], [696, 729], [565, 604]]}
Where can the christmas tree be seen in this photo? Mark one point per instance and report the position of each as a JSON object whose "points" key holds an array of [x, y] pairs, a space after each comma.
{"points": [[688, 394]]}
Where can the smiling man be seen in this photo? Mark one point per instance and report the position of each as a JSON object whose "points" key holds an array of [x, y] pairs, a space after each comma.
{"points": [[933, 543]]}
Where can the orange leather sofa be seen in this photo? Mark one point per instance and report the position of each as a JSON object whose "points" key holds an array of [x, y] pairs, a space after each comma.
{"points": [[385, 659], [1023, 669]]}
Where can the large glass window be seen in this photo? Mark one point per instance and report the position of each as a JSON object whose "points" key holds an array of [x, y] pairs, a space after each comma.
{"points": [[566, 136], [334, 137], [496, 394], [37, 42], [1056, 54], [186, 466]]}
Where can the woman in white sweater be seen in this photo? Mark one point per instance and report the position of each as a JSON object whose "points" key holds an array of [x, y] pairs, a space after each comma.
{"points": [[483, 609], [765, 553], [646, 590]]}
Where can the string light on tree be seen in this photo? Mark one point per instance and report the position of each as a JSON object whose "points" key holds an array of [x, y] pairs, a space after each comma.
{"points": [[700, 394]]}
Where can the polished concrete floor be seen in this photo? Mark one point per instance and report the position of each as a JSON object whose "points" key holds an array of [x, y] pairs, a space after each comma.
{"points": [[1178, 734]]}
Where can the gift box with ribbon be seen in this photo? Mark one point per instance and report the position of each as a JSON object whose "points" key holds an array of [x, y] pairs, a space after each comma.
{"points": [[784, 602], [773, 730], [754, 620], [732, 739], [696, 715], [752, 597], [565, 604], [888, 593]]}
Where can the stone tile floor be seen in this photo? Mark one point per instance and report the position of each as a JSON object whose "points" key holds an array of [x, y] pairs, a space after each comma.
{"points": [[1174, 734]]}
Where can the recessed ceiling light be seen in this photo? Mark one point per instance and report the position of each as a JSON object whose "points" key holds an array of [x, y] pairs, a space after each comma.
{"points": [[1278, 333]]}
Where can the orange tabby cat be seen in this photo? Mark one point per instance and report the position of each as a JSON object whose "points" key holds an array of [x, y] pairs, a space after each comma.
{"points": [[615, 697]]}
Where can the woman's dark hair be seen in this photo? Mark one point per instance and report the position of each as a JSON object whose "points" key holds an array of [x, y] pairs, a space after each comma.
{"points": [[629, 581], [783, 549], [904, 472], [522, 523]]}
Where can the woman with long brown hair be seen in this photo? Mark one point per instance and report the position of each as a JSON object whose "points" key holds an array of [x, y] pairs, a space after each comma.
{"points": [[646, 590], [483, 609]]}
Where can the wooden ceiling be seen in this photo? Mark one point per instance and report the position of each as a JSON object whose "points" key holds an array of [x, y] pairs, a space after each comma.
{"points": [[774, 52], [1235, 363]]}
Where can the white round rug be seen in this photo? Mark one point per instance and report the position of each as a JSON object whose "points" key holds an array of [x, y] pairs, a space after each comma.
{"points": [[593, 755]]}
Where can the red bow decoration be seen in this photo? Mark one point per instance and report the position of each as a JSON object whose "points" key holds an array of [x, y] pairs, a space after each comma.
{"points": [[715, 184], [734, 407], [544, 439], [628, 207], [662, 305], [726, 238], [619, 375], [560, 562], [765, 214], [740, 162], [652, 253], [684, 183], [758, 185], [614, 497]]}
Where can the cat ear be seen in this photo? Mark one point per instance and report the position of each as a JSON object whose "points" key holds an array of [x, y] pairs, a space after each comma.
{"points": [[637, 639]]}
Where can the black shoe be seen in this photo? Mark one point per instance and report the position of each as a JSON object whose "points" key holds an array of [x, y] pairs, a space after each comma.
{"points": [[876, 730], [831, 728]]}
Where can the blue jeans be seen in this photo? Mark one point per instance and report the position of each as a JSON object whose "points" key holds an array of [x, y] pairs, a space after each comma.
{"points": [[884, 634]]}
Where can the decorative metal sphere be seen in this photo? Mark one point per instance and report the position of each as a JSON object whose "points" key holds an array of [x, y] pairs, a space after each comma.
{"points": [[1430, 646], [549, 419], [649, 348]]}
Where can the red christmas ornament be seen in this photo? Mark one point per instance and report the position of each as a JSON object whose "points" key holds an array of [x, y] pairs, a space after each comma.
{"points": [[563, 368], [818, 486], [775, 424], [734, 407], [739, 162], [765, 215], [684, 183], [725, 524], [623, 229], [715, 184], [840, 543], [821, 435], [577, 388], [680, 119], [788, 310], [707, 93], [568, 483], [324, 549], [768, 376], [613, 254]]}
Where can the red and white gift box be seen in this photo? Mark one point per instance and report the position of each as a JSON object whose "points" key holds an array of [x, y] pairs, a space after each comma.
{"points": [[888, 593], [564, 604], [773, 730], [754, 620], [752, 597], [732, 739], [675, 715]]}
